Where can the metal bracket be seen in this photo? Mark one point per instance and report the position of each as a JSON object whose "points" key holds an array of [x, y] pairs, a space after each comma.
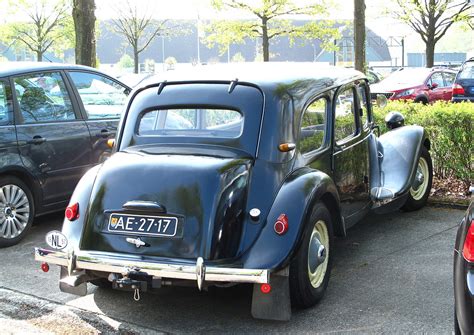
{"points": [[200, 272]]}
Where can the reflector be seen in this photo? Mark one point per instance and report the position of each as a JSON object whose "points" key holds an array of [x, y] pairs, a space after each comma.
{"points": [[72, 212], [468, 250]]}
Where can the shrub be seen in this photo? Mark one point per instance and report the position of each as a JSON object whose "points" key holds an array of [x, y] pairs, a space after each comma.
{"points": [[450, 130]]}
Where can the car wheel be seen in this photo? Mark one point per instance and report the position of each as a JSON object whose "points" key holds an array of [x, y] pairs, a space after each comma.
{"points": [[16, 210], [311, 267], [422, 100], [420, 190]]}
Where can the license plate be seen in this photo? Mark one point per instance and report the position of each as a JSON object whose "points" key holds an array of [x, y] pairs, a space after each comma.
{"points": [[143, 225], [472, 90]]}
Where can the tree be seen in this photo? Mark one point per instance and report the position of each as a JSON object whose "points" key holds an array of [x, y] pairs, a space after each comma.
{"points": [[83, 13], [359, 35], [270, 21], [47, 23], [431, 19], [138, 28]]}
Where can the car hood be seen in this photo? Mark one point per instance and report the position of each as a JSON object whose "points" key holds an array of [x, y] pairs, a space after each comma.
{"points": [[206, 189]]}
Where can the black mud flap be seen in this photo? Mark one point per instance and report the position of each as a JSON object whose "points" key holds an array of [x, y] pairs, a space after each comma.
{"points": [[275, 305], [72, 284]]}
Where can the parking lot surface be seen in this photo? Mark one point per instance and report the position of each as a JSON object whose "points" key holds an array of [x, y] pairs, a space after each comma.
{"points": [[392, 273]]}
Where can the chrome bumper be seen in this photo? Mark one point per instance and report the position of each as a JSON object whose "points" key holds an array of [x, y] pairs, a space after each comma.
{"points": [[114, 263]]}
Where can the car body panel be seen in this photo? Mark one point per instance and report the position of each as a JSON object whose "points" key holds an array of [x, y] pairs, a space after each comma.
{"points": [[465, 78]]}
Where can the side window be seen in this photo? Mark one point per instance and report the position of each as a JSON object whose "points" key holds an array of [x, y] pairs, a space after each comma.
{"points": [[43, 97], [362, 92], [344, 123], [313, 126], [437, 78], [5, 104], [102, 98], [449, 78]]}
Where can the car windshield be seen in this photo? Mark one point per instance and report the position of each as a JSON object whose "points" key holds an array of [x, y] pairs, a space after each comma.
{"points": [[467, 71], [195, 122], [406, 77]]}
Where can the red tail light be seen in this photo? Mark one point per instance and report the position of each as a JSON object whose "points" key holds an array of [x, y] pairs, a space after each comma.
{"points": [[458, 89], [72, 212], [468, 250], [265, 288], [45, 267], [281, 224]]}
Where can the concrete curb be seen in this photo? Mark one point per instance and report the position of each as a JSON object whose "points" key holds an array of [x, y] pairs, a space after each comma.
{"points": [[459, 204]]}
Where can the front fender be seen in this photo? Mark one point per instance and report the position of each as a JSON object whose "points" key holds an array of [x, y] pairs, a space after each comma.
{"points": [[296, 198], [73, 229]]}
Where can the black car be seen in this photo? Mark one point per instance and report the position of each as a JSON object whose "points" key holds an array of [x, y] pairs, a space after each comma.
{"points": [[464, 274], [463, 87], [237, 175], [55, 120]]}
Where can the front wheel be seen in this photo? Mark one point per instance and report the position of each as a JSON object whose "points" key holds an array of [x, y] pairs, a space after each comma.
{"points": [[16, 210], [420, 189], [311, 267]]}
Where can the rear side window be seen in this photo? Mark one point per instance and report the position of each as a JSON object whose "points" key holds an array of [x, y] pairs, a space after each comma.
{"points": [[344, 123], [43, 97], [313, 126], [194, 122], [102, 97], [467, 71]]}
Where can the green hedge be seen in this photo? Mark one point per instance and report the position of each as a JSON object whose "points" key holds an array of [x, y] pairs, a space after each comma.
{"points": [[450, 130]]}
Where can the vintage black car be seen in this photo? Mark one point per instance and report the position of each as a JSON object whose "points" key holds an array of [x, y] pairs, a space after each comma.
{"points": [[55, 120], [237, 175], [464, 273]]}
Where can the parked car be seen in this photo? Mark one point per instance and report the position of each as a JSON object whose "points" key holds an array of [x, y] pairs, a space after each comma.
{"points": [[55, 120], [464, 274], [251, 188], [463, 87], [418, 84], [373, 76]]}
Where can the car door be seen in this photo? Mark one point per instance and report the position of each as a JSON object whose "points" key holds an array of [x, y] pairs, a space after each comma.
{"points": [[449, 78], [351, 154], [439, 92], [102, 101], [53, 140]]}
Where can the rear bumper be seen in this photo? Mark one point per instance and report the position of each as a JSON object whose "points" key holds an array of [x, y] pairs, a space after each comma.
{"points": [[461, 99], [124, 264]]}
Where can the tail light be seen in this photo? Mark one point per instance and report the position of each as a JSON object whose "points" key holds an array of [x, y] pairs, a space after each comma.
{"points": [[72, 212], [458, 89], [468, 250], [281, 224], [265, 288], [45, 267]]}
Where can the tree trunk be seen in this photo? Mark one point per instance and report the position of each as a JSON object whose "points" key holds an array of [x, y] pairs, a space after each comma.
{"points": [[39, 56], [265, 41], [83, 13], [430, 50], [135, 60], [359, 35]]}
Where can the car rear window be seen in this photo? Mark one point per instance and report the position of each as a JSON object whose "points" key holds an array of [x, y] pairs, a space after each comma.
{"points": [[467, 71], [191, 121]]}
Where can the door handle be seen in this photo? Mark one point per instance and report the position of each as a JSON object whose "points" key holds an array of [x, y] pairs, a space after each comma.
{"points": [[36, 140], [104, 133]]}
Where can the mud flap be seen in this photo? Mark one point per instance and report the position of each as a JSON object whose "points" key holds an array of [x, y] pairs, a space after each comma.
{"points": [[275, 305], [72, 284]]}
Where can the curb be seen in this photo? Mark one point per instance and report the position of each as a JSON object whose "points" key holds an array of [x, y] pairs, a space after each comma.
{"points": [[460, 204]]}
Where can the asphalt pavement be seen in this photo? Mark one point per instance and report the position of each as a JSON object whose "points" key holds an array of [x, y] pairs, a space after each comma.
{"points": [[391, 274]]}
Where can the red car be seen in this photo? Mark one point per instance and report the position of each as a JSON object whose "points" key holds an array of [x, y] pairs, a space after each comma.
{"points": [[418, 84]]}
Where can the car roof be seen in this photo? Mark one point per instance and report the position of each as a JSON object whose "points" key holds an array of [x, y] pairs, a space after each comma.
{"points": [[269, 74], [15, 68]]}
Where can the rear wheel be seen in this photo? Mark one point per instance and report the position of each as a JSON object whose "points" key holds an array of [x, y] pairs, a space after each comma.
{"points": [[420, 189], [311, 267], [16, 210]]}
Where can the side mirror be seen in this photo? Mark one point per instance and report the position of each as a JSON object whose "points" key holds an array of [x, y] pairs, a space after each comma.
{"points": [[394, 120], [433, 86]]}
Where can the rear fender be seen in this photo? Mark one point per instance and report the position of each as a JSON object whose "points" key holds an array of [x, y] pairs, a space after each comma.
{"points": [[296, 198], [73, 229]]}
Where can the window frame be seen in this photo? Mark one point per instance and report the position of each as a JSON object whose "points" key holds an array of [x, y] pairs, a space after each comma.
{"points": [[9, 103], [356, 116]]}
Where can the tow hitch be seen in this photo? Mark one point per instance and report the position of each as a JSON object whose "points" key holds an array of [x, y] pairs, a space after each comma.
{"points": [[135, 281]]}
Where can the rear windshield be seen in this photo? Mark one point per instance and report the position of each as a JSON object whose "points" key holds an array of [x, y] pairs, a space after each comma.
{"points": [[191, 121], [467, 72]]}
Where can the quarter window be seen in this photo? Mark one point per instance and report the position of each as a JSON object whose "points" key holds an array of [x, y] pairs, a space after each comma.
{"points": [[102, 97], [313, 126], [344, 124], [43, 97]]}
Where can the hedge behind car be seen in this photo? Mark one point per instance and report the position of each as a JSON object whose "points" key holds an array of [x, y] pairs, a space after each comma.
{"points": [[450, 129]]}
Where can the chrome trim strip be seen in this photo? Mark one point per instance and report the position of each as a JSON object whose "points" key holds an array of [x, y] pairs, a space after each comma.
{"points": [[88, 261]]}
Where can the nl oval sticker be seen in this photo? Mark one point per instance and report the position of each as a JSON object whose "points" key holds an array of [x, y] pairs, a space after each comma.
{"points": [[56, 239]]}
